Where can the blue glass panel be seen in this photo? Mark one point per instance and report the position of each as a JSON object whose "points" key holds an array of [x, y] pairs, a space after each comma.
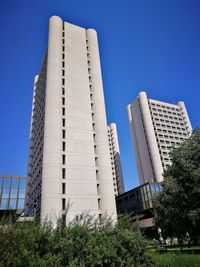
{"points": [[6, 182], [1, 180], [152, 187], [21, 193], [13, 193], [20, 204], [15, 183], [22, 183], [13, 203], [5, 193], [4, 204]]}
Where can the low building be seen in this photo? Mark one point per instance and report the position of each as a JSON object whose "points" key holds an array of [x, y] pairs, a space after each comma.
{"points": [[138, 201], [12, 193]]}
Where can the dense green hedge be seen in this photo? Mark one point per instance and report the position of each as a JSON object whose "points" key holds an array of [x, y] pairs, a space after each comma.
{"points": [[82, 243]]}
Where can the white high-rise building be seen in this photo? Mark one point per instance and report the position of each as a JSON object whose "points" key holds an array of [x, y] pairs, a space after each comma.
{"points": [[115, 159], [69, 158], [156, 127]]}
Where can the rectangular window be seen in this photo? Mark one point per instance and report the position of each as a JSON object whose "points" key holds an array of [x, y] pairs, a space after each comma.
{"points": [[63, 56], [63, 49], [63, 204], [63, 146], [63, 81], [63, 188], [63, 72], [63, 91], [63, 64], [63, 134], [63, 173], [63, 159], [63, 111], [63, 101], [63, 122]]}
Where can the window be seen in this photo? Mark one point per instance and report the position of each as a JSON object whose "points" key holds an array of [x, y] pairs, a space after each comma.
{"points": [[63, 56], [63, 173], [63, 204], [63, 134], [4, 204], [15, 183], [63, 111], [63, 64], [63, 91], [13, 203], [63, 159], [20, 204], [63, 81], [21, 193], [7, 182], [63, 122], [5, 193], [63, 146], [63, 188], [13, 193], [63, 72]]}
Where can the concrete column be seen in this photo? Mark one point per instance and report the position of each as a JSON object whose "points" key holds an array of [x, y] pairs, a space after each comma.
{"points": [[51, 176], [103, 162], [150, 136], [185, 116]]}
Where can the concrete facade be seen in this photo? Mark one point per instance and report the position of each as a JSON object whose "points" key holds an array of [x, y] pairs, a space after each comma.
{"points": [[118, 181], [69, 159], [156, 127]]}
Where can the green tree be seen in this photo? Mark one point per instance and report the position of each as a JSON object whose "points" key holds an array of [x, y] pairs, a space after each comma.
{"points": [[177, 207]]}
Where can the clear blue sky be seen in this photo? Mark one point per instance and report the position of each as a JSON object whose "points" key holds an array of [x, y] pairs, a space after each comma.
{"points": [[151, 45]]}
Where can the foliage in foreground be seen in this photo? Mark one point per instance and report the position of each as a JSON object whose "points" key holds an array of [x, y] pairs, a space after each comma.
{"points": [[82, 243], [178, 205], [177, 260]]}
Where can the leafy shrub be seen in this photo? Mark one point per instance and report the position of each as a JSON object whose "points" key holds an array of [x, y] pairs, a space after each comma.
{"points": [[84, 242]]}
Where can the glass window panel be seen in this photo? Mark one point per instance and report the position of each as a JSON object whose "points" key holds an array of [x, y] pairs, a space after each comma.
{"points": [[13, 203], [21, 193], [1, 180], [4, 204], [5, 193], [13, 193], [22, 183], [6, 182], [20, 204], [15, 183]]}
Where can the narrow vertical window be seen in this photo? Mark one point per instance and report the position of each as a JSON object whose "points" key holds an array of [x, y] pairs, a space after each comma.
{"points": [[63, 101], [63, 173], [63, 159], [63, 134], [63, 122], [63, 204], [63, 188], [63, 146], [63, 111]]}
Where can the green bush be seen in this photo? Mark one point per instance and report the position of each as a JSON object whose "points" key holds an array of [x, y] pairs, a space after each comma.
{"points": [[84, 242]]}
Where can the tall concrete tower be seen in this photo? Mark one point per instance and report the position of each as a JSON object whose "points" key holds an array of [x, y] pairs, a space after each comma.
{"points": [[156, 127], [69, 157], [115, 159]]}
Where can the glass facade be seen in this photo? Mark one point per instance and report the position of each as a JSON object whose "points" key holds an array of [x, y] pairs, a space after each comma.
{"points": [[12, 192], [138, 199]]}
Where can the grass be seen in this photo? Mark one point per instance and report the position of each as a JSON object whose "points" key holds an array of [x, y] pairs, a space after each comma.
{"points": [[176, 260]]}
